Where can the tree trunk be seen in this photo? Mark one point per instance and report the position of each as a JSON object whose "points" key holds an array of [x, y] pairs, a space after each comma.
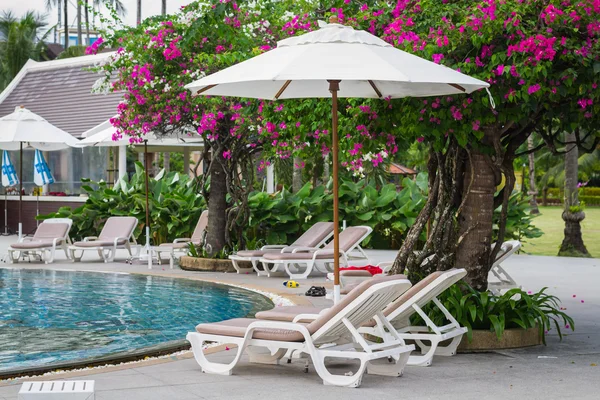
{"points": [[217, 207], [87, 24], [573, 214], [475, 221], [532, 190], [167, 161], [163, 8], [297, 175], [138, 18], [79, 22], [66, 22], [326, 173]]}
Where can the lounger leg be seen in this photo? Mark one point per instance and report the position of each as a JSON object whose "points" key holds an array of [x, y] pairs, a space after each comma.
{"points": [[272, 356], [66, 250], [273, 271], [171, 260], [353, 381], [304, 275], [427, 352], [448, 350], [74, 255], [394, 367], [239, 269], [258, 271], [51, 253], [13, 259], [211, 367]]}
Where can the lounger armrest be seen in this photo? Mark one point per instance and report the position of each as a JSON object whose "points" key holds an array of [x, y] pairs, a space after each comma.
{"points": [[304, 249], [274, 247], [25, 239], [116, 241], [385, 266], [182, 240], [305, 317], [90, 238], [56, 241], [289, 326], [288, 249]]}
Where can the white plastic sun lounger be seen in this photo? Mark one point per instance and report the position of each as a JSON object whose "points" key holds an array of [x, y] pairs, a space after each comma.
{"points": [[500, 279], [301, 262], [182, 245], [339, 324], [315, 237], [47, 238], [117, 233], [398, 313]]}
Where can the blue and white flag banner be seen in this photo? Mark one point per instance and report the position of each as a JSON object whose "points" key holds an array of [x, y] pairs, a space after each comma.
{"points": [[9, 175], [41, 173]]}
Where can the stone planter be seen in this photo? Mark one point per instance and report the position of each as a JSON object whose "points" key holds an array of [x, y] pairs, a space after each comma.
{"points": [[207, 264], [511, 339]]}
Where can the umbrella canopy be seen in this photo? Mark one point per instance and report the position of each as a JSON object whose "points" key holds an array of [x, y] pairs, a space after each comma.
{"points": [[335, 61], [102, 135], [22, 127], [366, 65]]}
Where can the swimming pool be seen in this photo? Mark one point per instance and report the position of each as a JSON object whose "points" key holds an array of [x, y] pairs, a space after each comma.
{"points": [[51, 318]]}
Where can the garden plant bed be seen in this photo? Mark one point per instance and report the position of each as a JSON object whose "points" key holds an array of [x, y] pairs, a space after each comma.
{"points": [[208, 264], [484, 340]]}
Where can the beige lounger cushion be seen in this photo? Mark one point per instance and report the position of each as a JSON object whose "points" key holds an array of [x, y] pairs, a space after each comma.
{"points": [[180, 245], [325, 254], [44, 236], [311, 238], [237, 327], [198, 234], [114, 227], [99, 243], [356, 273], [254, 253], [286, 314]]}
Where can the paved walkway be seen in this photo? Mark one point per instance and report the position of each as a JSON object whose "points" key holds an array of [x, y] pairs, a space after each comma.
{"points": [[566, 369]]}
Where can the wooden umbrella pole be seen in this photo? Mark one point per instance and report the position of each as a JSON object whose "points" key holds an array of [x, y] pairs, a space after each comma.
{"points": [[334, 86]]}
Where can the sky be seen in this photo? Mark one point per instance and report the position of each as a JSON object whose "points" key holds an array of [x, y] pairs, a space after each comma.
{"points": [[149, 8]]}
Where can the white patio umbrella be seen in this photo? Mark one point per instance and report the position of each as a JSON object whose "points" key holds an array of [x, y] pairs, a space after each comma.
{"points": [[102, 135], [24, 129], [335, 61]]}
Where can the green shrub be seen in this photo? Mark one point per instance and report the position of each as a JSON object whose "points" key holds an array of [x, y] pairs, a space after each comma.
{"points": [[555, 193], [590, 200], [589, 191], [519, 221], [513, 309], [175, 206]]}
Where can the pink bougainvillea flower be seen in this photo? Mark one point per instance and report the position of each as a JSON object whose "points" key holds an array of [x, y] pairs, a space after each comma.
{"points": [[574, 295], [582, 301], [437, 58], [533, 88], [476, 125], [227, 154], [420, 139]]}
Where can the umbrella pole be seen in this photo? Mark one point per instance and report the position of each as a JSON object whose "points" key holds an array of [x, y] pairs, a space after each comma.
{"points": [[20, 190], [148, 251], [334, 86]]}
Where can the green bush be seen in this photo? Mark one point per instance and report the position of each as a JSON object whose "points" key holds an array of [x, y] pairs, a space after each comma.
{"points": [[589, 191], [513, 309], [555, 193], [590, 200], [175, 206], [519, 221], [281, 217]]}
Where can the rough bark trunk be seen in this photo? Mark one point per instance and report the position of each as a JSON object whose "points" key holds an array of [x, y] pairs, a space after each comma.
{"points": [[572, 244], [297, 175], [532, 190], [475, 221], [59, 24], [163, 8], [66, 22], [167, 161], [217, 207], [326, 172]]}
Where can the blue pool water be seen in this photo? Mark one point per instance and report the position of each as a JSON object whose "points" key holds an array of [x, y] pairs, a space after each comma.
{"points": [[53, 317]]}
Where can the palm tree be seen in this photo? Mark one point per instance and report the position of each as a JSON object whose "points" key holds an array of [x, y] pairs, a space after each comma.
{"points": [[138, 19], [573, 214], [19, 43], [58, 4], [163, 9]]}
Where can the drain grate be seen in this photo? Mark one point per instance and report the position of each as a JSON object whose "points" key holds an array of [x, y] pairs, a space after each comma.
{"points": [[57, 390]]}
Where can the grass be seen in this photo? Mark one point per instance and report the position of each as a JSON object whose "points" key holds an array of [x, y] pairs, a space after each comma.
{"points": [[551, 223]]}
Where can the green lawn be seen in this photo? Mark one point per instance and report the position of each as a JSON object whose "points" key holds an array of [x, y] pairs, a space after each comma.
{"points": [[550, 221]]}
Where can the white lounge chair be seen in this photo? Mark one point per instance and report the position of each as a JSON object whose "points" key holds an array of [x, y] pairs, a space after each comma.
{"points": [[182, 245], [302, 261], [353, 277], [399, 313], [117, 233], [498, 278], [315, 237], [47, 238], [339, 324]]}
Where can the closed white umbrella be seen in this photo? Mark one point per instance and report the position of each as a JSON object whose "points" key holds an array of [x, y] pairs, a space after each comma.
{"points": [[23, 129], [335, 61]]}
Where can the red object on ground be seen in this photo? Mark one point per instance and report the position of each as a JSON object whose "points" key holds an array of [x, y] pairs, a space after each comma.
{"points": [[371, 268]]}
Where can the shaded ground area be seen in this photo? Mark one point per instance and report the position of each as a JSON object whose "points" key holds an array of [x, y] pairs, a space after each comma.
{"points": [[565, 369], [550, 221]]}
